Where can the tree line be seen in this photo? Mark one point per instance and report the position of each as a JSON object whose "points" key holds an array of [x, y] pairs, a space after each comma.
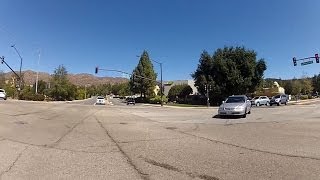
{"points": [[59, 88], [227, 71]]}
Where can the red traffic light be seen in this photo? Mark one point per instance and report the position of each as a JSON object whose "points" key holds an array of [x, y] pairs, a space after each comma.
{"points": [[96, 70]]}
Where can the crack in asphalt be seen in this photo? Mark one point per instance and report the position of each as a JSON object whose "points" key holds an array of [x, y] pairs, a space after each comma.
{"points": [[230, 144], [149, 140], [172, 168], [72, 128], [250, 149], [14, 162], [61, 149], [129, 160]]}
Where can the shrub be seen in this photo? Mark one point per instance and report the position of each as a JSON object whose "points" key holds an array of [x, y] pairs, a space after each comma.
{"points": [[303, 97], [157, 100], [31, 97]]}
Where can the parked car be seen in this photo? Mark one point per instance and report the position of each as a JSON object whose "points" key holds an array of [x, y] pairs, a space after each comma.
{"points": [[3, 94], [279, 99], [131, 101], [238, 105], [100, 100], [260, 100]]}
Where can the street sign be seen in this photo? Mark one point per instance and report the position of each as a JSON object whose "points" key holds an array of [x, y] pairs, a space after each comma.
{"points": [[306, 63]]}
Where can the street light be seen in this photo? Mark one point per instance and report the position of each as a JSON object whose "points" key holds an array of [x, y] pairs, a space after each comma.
{"points": [[13, 46], [161, 88]]}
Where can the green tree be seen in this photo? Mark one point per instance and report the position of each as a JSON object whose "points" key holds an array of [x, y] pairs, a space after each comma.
{"points": [[61, 88], [316, 83], [2, 80], [229, 71], [288, 87], [144, 78], [306, 86], [296, 87], [42, 85], [179, 91]]}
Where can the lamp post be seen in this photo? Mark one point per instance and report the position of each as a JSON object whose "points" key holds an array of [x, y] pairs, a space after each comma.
{"points": [[13, 46], [37, 79]]}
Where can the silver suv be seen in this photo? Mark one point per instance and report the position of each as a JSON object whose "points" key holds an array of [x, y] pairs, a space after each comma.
{"points": [[279, 99], [260, 100], [3, 94]]}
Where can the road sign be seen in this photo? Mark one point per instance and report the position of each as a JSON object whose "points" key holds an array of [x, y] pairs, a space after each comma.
{"points": [[306, 63]]}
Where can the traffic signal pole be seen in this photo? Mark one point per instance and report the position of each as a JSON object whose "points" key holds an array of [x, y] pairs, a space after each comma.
{"points": [[4, 62], [295, 60]]}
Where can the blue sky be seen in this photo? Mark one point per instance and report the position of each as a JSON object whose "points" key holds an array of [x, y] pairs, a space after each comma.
{"points": [[82, 34]]}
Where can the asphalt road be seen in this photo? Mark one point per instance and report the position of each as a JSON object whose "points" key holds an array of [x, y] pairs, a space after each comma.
{"points": [[59, 140]]}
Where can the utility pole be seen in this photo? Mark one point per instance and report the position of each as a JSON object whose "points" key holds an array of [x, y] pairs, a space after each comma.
{"points": [[37, 78], [161, 84], [207, 87]]}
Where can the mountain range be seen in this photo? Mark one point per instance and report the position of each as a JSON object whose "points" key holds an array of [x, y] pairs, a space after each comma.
{"points": [[76, 79]]}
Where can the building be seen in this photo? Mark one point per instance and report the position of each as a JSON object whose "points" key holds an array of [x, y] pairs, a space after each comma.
{"points": [[168, 84]]}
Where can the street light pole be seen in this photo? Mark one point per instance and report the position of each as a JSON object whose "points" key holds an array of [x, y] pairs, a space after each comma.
{"points": [[13, 46], [161, 88], [37, 79]]}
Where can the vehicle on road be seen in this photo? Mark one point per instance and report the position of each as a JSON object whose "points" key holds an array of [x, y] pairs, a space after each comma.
{"points": [[3, 94], [238, 105], [131, 101], [260, 100], [279, 99], [100, 100]]}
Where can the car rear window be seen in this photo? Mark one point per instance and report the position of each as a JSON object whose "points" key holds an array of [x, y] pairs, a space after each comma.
{"points": [[1, 90], [235, 100], [100, 97]]}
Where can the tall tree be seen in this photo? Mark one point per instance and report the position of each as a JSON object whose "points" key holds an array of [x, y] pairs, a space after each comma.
{"points": [[2, 79], [316, 83], [229, 71], [61, 88], [144, 78]]}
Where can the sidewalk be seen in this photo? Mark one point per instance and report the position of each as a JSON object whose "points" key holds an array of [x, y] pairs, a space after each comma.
{"points": [[304, 102]]}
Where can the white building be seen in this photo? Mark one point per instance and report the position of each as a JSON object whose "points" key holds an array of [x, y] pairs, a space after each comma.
{"points": [[168, 84]]}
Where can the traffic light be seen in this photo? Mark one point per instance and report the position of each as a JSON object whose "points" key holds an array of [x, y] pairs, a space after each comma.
{"points": [[2, 61], [294, 61], [317, 58], [96, 70]]}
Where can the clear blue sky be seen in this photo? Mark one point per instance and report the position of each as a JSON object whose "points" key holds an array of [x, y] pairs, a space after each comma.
{"points": [[84, 33]]}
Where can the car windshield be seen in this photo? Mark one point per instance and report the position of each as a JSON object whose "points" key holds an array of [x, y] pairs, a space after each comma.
{"points": [[256, 98], [278, 96], [235, 100], [1, 90], [100, 97]]}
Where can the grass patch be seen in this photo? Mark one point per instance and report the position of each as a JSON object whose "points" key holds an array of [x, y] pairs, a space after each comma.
{"points": [[185, 105]]}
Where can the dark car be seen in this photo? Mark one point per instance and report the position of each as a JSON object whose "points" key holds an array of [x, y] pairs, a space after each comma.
{"points": [[279, 99], [131, 101]]}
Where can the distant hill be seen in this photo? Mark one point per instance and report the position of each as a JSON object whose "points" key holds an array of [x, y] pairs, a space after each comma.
{"points": [[77, 79]]}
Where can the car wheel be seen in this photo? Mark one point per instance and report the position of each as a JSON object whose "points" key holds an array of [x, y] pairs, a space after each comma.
{"points": [[285, 103], [244, 116], [278, 104], [249, 112], [258, 104]]}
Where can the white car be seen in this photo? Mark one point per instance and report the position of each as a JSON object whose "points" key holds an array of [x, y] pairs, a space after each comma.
{"points": [[260, 100], [100, 100], [238, 105], [3, 94]]}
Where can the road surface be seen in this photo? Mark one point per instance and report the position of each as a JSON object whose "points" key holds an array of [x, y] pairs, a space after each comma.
{"points": [[40, 140]]}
